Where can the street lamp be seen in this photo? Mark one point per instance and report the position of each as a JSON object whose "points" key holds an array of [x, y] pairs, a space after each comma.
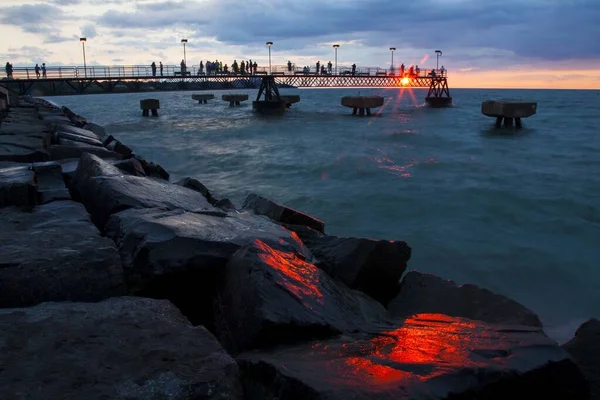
{"points": [[83, 40], [437, 64], [184, 41], [269, 44], [392, 49], [336, 46]]}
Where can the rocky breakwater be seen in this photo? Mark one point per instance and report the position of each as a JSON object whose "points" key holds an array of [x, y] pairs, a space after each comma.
{"points": [[116, 283]]}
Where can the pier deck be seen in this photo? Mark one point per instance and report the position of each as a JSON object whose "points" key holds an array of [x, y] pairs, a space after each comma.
{"points": [[63, 81]]}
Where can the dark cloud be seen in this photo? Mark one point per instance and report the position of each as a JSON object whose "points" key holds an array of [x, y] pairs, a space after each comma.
{"points": [[542, 29], [33, 18]]}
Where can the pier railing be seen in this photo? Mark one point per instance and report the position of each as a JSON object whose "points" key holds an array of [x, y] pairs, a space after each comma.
{"points": [[145, 71]]}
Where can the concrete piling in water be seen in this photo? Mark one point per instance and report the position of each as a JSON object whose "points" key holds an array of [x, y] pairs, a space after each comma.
{"points": [[362, 104], [508, 111], [234, 99], [149, 105], [290, 99], [203, 98]]}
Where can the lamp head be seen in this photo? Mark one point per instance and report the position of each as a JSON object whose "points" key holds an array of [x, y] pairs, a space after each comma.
{"points": [[392, 48], [269, 44], [82, 39], [336, 45], [438, 52], [183, 40]]}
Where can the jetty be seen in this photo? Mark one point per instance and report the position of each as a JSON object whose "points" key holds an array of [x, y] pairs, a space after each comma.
{"points": [[508, 110], [116, 282]]}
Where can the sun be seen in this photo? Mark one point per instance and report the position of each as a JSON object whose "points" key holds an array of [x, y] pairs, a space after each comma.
{"points": [[404, 81]]}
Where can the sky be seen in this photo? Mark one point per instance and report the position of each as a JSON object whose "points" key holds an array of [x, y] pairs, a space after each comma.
{"points": [[484, 43]]}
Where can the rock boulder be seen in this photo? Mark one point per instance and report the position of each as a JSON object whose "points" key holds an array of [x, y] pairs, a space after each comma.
{"points": [[121, 348], [585, 349], [104, 190], [182, 255], [372, 266], [429, 356], [17, 186], [425, 293], [216, 201], [54, 253], [50, 182], [273, 296], [279, 213]]}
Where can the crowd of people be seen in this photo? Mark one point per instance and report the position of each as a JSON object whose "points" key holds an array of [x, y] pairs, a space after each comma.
{"points": [[250, 68]]}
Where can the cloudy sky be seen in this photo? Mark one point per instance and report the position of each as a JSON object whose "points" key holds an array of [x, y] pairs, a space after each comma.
{"points": [[485, 43]]}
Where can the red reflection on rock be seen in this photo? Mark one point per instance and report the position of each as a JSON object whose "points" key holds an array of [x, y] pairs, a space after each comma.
{"points": [[295, 275], [424, 347]]}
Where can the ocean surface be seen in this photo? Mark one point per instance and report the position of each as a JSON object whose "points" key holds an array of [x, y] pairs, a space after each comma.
{"points": [[517, 212]]}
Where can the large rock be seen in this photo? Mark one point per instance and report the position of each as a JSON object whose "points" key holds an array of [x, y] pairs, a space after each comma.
{"points": [[425, 293], [104, 190], [61, 151], [213, 199], [121, 348], [50, 182], [273, 296], [372, 266], [426, 357], [17, 186], [66, 138], [23, 143], [54, 253], [277, 212], [585, 349], [182, 255]]}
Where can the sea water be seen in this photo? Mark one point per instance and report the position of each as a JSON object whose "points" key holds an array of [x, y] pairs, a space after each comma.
{"points": [[514, 211]]}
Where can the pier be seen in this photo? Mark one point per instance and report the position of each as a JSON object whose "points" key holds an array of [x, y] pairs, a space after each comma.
{"points": [[126, 79]]}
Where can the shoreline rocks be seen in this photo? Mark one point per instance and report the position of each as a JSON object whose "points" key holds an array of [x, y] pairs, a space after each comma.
{"points": [[85, 223]]}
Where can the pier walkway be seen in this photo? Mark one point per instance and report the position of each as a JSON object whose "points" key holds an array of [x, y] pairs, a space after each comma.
{"points": [[123, 79]]}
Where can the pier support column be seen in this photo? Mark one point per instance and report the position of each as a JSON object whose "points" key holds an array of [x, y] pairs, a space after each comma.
{"points": [[149, 106], [508, 122], [518, 123], [498, 122]]}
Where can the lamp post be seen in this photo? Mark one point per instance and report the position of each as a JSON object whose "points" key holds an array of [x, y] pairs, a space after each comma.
{"points": [[269, 44], [392, 49], [184, 41], [438, 53], [336, 46], [83, 40]]}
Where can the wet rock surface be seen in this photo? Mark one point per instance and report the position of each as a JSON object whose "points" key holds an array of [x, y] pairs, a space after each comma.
{"points": [[182, 255], [430, 356], [17, 185], [215, 200], [23, 140], [50, 183], [280, 213], [585, 350], [105, 190], [271, 296], [121, 348], [372, 266], [425, 293], [54, 253]]}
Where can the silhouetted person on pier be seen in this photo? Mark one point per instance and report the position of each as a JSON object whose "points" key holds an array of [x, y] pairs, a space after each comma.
{"points": [[318, 67], [161, 69], [37, 71], [442, 70], [182, 64], [225, 69], [43, 70], [402, 70], [289, 64], [417, 70], [353, 69], [254, 66], [322, 70], [201, 68], [243, 67], [220, 66], [8, 69], [329, 67], [153, 66]]}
